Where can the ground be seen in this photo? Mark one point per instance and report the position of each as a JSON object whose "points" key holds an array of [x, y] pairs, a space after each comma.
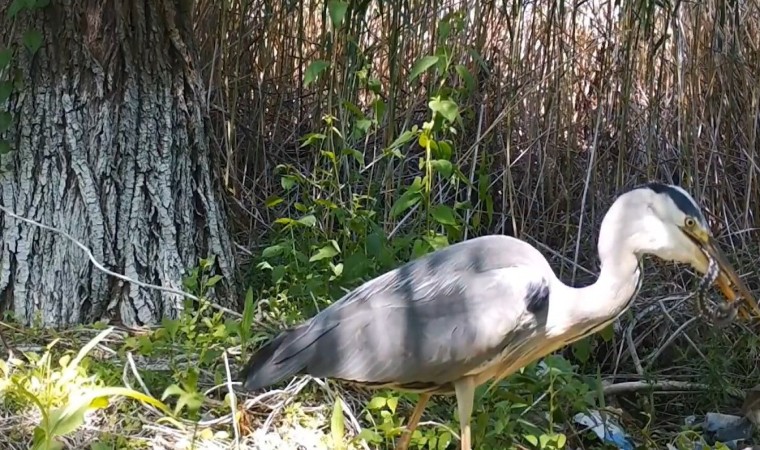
{"points": [[189, 362]]}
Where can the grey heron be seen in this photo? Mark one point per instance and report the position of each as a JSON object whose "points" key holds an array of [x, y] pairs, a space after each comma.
{"points": [[481, 309]]}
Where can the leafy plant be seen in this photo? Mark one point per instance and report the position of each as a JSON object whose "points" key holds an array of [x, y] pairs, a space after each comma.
{"points": [[63, 395]]}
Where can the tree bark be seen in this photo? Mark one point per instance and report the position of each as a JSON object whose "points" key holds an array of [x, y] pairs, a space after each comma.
{"points": [[110, 146]]}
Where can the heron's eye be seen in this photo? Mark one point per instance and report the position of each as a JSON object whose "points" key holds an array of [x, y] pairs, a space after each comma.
{"points": [[689, 222]]}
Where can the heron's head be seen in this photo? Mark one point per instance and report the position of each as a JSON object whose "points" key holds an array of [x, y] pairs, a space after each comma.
{"points": [[664, 220]]}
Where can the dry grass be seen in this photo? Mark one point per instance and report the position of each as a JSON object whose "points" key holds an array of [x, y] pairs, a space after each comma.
{"points": [[571, 99]]}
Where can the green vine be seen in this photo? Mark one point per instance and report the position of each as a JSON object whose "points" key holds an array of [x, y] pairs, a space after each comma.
{"points": [[11, 77]]}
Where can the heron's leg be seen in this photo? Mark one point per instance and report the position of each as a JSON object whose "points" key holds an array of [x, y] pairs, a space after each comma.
{"points": [[414, 420], [465, 389]]}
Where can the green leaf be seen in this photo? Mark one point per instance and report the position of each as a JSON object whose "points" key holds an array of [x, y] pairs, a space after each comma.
{"points": [[607, 333], [6, 88], [89, 346], [327, 251], [5, 58], [444, 150], [370, 436], [273, 201], [582, 350], [363, 125], [213, 280], [443, 167], [15, 8], [313, 71], [6, 119], [422, 65], [71, 416], [444, 440], [248, 310], [443, 214], [437, 241], [405, 137], [337, 10], [337, 425], [288, 182], [308, 220], [406, 201], [376, 403], [5, 147], [466, 76], [32, 40], [313, 138], [337, 269], [284, 221], [420, 248], [446, 108], [378, 106], [374, 243], [392, 403], [272, 251]]}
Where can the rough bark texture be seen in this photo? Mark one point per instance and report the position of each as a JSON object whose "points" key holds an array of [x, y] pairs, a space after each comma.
{"points": [[109, 146]]}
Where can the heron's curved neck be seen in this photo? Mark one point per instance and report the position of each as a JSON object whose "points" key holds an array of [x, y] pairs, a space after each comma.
{"points": [[588, 309], [614, 289]]}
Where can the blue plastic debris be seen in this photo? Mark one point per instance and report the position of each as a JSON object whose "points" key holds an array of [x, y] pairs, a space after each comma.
{"points": [[728, 429], [605, 428]]}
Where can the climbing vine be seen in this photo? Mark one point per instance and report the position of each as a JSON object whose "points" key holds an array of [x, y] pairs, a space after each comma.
{"points": [[11, 77]]}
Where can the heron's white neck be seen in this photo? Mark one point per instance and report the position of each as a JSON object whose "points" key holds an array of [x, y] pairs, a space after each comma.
{"points": [[608, 297]]}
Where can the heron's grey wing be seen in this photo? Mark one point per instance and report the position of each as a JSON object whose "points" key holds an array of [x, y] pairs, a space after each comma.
{"points": [[435, 319]]}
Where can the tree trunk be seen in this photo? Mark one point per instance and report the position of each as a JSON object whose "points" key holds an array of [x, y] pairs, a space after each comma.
{"points": [[110, 146]]}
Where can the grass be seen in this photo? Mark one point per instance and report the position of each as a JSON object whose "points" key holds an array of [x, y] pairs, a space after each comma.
{"points": [[184, 368]]}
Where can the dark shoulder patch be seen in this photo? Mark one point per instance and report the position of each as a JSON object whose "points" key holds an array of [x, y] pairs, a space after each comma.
{"points": [[537, 298], [683, 202]]}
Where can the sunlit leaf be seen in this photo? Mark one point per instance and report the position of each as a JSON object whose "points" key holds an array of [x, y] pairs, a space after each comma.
{"points": [[213, 280], [376, 403], [308, 220], [445, 107], [327, 251], [337, 425], [287, 182], [273, 201]]}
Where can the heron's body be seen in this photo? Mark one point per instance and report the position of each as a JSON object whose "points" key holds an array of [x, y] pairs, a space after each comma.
{"points": [[475, 311], [458, 314]]}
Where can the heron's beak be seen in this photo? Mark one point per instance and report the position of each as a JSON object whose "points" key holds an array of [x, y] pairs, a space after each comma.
{"points": [[727, 276]]}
